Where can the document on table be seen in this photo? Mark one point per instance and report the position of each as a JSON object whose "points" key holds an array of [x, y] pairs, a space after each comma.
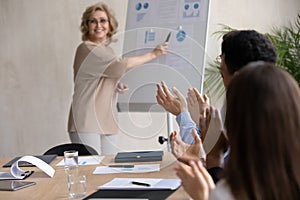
{"points": [[141, 184], [134, 169], [85, 160]]}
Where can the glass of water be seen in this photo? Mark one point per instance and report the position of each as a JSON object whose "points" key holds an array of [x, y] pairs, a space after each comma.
{"points": [[71, 161], [76, 186]]}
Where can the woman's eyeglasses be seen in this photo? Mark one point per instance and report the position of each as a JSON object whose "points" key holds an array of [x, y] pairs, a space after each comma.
{"points": [[95, 21]]}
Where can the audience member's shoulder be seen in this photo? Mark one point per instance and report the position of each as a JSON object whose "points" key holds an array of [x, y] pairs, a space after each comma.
{"points": [[221, 192]]}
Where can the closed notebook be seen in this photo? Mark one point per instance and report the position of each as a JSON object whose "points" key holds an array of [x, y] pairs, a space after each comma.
{"points": [[139, 156]]}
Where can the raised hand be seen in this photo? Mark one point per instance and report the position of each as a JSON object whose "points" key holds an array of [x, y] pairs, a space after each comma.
{"points": [[214, 129], [193, 106], [203, 101], [196, 181], [161, 49], [168, 101], [178, 147], [204, 122], [185, 152]]}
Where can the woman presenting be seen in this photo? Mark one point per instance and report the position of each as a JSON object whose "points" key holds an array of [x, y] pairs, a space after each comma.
{"points": [[97, 70]]}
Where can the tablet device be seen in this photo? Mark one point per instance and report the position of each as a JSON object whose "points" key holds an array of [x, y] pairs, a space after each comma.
{"points": [[14, 185], [46, 158]]}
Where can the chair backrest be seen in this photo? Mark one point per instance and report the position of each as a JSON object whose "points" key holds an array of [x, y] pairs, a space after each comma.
{"points": [[83, 150]]}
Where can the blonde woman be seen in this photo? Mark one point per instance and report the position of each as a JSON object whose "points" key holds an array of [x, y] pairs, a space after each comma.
{"points": [[97, 70]]}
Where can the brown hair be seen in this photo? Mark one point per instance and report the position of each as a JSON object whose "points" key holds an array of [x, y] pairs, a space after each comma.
{"points": [[263, 126], [113, 23]]}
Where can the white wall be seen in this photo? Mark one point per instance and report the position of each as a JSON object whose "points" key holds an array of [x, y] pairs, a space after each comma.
{"points": [[38, 41]]}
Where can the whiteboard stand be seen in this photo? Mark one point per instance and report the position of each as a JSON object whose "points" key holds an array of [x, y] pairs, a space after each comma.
{"points": [[169, 129]]}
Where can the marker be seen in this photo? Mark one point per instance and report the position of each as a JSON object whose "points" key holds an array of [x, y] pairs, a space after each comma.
{"points": [[168, 37], [83, 163], [121, 166], [140, 183]]}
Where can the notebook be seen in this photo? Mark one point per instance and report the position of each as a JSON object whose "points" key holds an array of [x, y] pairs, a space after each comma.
{"points": [[139, 156], [130, 194], [46, 158]]}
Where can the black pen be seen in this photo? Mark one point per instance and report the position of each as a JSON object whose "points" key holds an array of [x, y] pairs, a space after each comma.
{"points": [[122, 166], [168, 37], [140, 183]]}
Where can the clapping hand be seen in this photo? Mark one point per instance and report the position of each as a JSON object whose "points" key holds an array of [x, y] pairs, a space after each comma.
{"points": [[185, 152], [203, 100], [174, 105], [196, 181]]}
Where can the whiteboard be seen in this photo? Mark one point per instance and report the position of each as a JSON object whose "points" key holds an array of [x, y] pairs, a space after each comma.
{"points": [[148, 23]]}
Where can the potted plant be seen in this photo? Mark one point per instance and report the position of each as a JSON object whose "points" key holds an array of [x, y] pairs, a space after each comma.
{"points": [[287, 43]]}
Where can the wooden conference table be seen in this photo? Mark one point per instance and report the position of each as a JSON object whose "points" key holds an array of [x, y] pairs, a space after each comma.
{"points": [[56, 187]]}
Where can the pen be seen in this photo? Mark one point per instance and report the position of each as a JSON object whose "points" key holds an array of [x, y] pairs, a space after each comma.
{"points": [[122, 166], [168, 37], [140, 183]]}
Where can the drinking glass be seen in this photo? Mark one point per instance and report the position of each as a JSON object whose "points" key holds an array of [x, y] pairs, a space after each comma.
{"points": [[71, 161], [76, 186]]}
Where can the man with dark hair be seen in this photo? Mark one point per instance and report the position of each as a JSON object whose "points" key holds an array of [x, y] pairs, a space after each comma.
{"points": [[242, 47], [239, 48]]}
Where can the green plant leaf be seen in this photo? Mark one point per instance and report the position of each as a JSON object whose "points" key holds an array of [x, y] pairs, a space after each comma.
{"points": [[287, 42]]}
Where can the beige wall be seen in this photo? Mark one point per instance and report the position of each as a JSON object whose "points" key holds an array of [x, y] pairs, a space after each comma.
{"points": [[38, 40]]}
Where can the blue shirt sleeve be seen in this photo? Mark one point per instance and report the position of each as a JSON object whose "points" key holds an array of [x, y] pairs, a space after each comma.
{"points": [[186, 124]]}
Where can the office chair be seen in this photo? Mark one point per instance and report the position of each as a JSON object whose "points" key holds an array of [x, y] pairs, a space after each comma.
{"points": [[83, 150]]}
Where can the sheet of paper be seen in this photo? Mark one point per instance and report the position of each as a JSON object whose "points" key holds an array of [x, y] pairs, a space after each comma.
{"points": [[153, 183], [135, 169], [85, 160]]}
